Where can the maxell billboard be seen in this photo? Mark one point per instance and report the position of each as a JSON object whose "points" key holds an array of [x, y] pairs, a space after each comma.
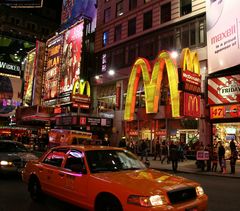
{"points": [[223, 24]]}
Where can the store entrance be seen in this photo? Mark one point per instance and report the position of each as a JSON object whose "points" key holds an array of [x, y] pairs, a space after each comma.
{"points": [[225, 132]]}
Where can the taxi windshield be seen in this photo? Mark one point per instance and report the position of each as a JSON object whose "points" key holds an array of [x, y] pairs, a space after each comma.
{"points": [[112, 160]]}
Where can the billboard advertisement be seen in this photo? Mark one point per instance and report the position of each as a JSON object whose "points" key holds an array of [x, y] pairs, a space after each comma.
{"points": [[53, 60], [222, 34], [10, 95], [38, 72], [28, 77], [71, 59], [224, 90], [74, 10]]}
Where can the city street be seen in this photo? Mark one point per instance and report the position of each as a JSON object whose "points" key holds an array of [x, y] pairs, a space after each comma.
{"points": [[223, 195]]}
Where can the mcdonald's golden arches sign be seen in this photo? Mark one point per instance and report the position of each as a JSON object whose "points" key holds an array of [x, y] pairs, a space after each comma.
{"points": [[152, 80]]}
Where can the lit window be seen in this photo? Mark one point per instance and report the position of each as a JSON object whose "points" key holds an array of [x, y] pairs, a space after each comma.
{"points": [[105, 38], [119, 9]]}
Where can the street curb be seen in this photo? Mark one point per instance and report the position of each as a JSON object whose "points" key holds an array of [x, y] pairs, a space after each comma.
{"points": [[199, 173]]}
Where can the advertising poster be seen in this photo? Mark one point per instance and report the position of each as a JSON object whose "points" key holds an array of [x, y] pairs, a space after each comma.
{"points": [[223, 25], [71, 58], [28, 77], [38, 72], [74, 10], [10, 95], [224, 90], [53, 58]]}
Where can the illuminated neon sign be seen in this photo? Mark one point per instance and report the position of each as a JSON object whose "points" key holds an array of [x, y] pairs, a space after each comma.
{"points": [[152, 80]]}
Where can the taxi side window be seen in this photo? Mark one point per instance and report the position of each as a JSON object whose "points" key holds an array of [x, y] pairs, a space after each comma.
{"points": [[55, 158], [75, 162]]}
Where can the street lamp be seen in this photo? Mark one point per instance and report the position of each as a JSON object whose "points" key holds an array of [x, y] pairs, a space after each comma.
{"points": [[111, 72]]}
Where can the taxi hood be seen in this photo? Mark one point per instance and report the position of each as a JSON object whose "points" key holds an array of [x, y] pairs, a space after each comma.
{"points": [[145, 182]]}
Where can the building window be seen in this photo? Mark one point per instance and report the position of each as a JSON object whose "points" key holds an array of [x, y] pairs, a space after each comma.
{"points": [[118, 32], [119, 9], [132, 53], [107, 14], [147, 20], [166, 41], [186, 7], [132, 4], [201, 32], [146, 1], [185, 36], [147, 48], [132, 26], [192, 34], [105, 38], [118, 58], [166, 12]]}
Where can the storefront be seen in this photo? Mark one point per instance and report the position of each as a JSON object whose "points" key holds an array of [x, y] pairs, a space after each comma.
{"points": [[223, 100], [167, 103]]}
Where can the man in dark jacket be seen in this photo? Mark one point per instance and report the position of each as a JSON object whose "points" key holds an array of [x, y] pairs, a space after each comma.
{"points": [[221, 154], [174, 155]]}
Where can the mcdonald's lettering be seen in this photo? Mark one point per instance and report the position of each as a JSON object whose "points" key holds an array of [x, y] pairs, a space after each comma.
{"points": [[79, 88], [152, 80], [191, 105], [78, 95]]}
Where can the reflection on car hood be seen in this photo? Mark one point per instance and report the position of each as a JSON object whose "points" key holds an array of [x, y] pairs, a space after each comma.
{"points": [[25, 156], [147, 181]]}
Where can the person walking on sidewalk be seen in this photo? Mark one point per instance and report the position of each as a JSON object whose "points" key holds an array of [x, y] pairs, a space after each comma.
{"points": [[233, 160], [165, 152], [214, 161], [157, 150], [221, 154], [174, 155]]}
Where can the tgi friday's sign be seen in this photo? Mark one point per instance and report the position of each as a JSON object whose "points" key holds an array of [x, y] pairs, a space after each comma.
{"points": [[224, 90]]}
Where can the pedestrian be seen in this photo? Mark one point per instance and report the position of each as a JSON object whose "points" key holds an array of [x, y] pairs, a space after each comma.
{"points": [[165, 152], [214, 161], [122, 143], [233, 159], [157, 150], [144, 150], [174, 155], [224, 166], [232, 146], [208, 149], [221, 154]]}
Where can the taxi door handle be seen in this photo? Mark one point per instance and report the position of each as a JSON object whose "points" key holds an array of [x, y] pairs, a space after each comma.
{"points": [[61, 174]]}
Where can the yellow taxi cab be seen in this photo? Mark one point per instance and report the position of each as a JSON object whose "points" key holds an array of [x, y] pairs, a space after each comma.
{"points": [[107, 178]]}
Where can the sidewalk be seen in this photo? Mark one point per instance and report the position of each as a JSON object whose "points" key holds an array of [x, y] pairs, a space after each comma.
{"points": [[189, 166]]}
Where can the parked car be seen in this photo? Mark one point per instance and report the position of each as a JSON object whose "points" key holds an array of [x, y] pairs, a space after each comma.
{"points": [[106, 178], [13, 156]]}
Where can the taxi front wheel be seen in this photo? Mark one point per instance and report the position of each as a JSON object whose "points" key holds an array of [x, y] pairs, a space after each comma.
{"points": [[34, 188], [108, 203]]}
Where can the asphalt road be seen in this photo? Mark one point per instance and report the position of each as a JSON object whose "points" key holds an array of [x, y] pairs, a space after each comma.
{"points": [[223, 195]]}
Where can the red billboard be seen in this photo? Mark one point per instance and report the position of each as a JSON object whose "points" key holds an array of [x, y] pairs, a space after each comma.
{"points": [[190, 105], [71, 58], [51, 74], [225, 111]]}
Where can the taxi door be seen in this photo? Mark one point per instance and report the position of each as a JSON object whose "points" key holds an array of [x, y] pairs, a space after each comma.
{"points": [[50, 172], [75, 184]]}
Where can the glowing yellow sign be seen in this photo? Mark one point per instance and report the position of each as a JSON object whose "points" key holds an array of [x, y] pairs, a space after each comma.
{"points": [[79, 88], [152, 81]]}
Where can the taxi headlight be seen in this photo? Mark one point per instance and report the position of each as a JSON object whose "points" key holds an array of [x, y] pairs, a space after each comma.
{"points": [[199, 191], [5, 163], [146, 201]]}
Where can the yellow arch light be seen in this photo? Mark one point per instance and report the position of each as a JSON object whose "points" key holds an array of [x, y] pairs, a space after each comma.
{"points": [[152, 84], [189, 61], [79, 87]]}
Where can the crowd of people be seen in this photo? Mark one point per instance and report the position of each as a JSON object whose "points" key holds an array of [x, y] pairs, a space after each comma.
{"points": [[175, 151]]}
